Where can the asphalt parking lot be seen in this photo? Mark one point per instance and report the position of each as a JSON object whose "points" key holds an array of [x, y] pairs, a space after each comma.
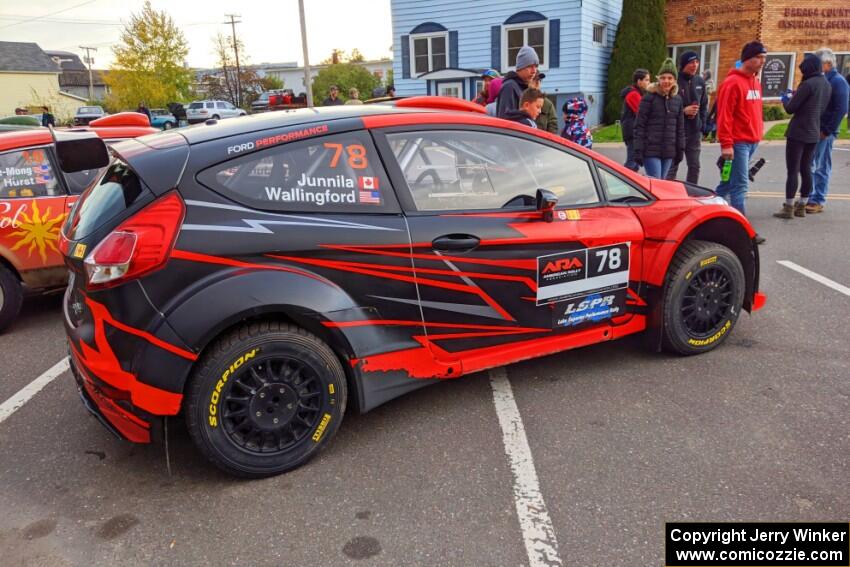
{"points": [[622, 440]]}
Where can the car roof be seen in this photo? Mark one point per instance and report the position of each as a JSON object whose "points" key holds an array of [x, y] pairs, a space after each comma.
{"points": [[284, 118]]}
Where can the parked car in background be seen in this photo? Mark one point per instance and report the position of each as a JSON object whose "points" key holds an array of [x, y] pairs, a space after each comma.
{"points": [[202, 110], [262, 102], [19, 122], [86, 114], [35, 198], [162, 119]]}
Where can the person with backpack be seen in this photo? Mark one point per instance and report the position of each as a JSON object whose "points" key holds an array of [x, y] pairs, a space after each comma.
{"points": [[631, 96], [660, 125], [803, 133]]}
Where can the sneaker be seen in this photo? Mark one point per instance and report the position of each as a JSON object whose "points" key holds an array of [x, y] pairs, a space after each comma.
{"points": [[799, 209], [813, 208], [787, 212], [759, 239]]}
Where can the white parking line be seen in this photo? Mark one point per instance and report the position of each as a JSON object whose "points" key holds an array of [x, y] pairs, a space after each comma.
{"points": [[537, 531], [817, 277], [15, 403]]}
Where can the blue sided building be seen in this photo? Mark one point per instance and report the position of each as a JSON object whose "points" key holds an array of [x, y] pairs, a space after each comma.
{"points": [[442, 46]]}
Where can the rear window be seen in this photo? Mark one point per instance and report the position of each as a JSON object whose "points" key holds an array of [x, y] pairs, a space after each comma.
{"points": [[89, 110], [116, 191], [196, 105], [27, 173], [339, 173]]}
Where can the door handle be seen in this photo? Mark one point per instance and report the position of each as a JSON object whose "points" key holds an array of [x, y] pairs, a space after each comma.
{"points": [[455, 243]]}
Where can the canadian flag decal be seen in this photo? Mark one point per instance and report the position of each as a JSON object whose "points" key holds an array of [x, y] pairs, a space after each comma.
{"points": [[369, 183]]}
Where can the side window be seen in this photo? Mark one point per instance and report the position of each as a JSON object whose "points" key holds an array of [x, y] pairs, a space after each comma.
{"points": [[220, 105], [27, 173], [619, 190], [339, 173], [457, 170]]}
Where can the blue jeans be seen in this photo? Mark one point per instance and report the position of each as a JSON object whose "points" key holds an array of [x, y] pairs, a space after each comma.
{"points": [[657, 167], [735, 190], [821, 170]]}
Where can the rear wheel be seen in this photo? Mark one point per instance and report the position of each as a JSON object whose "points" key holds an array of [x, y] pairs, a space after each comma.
{"points": [[216, 117], [265, 399], [167, 126], [11, 297], [703, 295]]}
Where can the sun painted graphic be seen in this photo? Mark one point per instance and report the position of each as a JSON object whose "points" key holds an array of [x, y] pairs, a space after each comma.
{"points": [[37, 231]]}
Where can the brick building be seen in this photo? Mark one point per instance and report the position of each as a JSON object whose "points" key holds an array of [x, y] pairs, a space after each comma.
{"points": [[789, 28]]}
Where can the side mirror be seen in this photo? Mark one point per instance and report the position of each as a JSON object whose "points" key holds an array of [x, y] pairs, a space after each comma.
{"points": [[546, 203]]}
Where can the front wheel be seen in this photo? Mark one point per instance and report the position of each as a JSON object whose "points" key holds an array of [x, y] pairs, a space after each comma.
{"points": [[11, 297], [703, 296], [167, 126], [265, 399]]}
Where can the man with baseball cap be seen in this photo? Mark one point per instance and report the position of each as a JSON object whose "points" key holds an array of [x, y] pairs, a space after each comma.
{"points": [[517, 81], [740, 124], [695, 104]]}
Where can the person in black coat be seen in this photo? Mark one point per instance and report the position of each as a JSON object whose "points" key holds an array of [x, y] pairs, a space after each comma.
{"points": [[803, 133], [695, 103], [631, 96], [660, 125]]}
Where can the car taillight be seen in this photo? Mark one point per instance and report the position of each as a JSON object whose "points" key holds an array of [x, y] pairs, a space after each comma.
{"points": [[140, 245]]}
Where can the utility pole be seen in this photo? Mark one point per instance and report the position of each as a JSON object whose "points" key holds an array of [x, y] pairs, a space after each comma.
{"points": [[233, 23], [307, 82], [89, 60]]}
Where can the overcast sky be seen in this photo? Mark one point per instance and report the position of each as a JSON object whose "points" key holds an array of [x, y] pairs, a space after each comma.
{"points": [[270, 29]]}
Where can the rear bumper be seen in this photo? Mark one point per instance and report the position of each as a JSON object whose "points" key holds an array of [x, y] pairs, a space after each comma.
{"points": [[105, 404]]}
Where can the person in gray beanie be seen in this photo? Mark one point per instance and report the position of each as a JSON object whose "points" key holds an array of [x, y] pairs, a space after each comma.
{"points": [[515, 82]]}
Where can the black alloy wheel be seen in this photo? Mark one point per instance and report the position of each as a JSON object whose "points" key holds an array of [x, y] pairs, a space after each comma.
{"points": [[703, 296], [265, 398]]}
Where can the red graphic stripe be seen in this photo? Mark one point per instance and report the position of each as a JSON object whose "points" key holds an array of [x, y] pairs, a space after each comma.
{"points": [[403, 323], [340, 264], [517, 264], [463, 288], [206, 259]]}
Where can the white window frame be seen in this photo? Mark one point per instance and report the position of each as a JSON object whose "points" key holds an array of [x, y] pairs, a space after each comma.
{"points": [[604, 42], [429, 37], [524, 26], [713, 66]]}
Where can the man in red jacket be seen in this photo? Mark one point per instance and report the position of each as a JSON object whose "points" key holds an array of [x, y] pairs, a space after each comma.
{"points": [[739, 121]]}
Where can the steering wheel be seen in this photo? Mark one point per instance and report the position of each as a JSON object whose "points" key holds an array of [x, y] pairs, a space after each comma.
{"points": [[520, 201], [438, 183]]}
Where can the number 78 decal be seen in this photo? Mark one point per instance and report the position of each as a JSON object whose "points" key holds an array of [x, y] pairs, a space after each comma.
{"points": [[580, 272]]}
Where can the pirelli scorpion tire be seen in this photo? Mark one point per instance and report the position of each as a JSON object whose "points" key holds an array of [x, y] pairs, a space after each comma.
{"points": [[703, 295], [265, 399], [11, 296]]}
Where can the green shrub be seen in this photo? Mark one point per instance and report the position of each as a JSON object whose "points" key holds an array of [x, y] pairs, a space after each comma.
{"points": [[774, 112]]}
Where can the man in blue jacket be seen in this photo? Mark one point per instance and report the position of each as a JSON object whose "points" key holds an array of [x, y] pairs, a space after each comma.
{"points": [[830, 121]]}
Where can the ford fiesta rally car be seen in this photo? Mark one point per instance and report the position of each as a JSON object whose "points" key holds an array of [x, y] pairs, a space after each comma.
{"points": [[261, 275], [35, 198]]}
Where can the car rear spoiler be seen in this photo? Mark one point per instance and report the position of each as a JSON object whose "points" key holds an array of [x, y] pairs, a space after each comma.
{"points": [[438, 103], [79, 151]]}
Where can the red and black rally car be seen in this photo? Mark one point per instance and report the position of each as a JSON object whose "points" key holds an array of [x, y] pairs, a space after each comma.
{"points": [[34, 201], [260, 275]]}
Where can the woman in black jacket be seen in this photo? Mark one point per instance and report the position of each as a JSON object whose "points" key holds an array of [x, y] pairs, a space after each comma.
{"points": [[803, 133], [660, 125]]}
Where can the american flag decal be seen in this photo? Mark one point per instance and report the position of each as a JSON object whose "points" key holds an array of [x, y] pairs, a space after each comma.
{"points": [[373, 197]]}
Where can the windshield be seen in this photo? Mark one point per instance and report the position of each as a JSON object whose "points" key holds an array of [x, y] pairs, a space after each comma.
{"points": [[90, 110]]}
